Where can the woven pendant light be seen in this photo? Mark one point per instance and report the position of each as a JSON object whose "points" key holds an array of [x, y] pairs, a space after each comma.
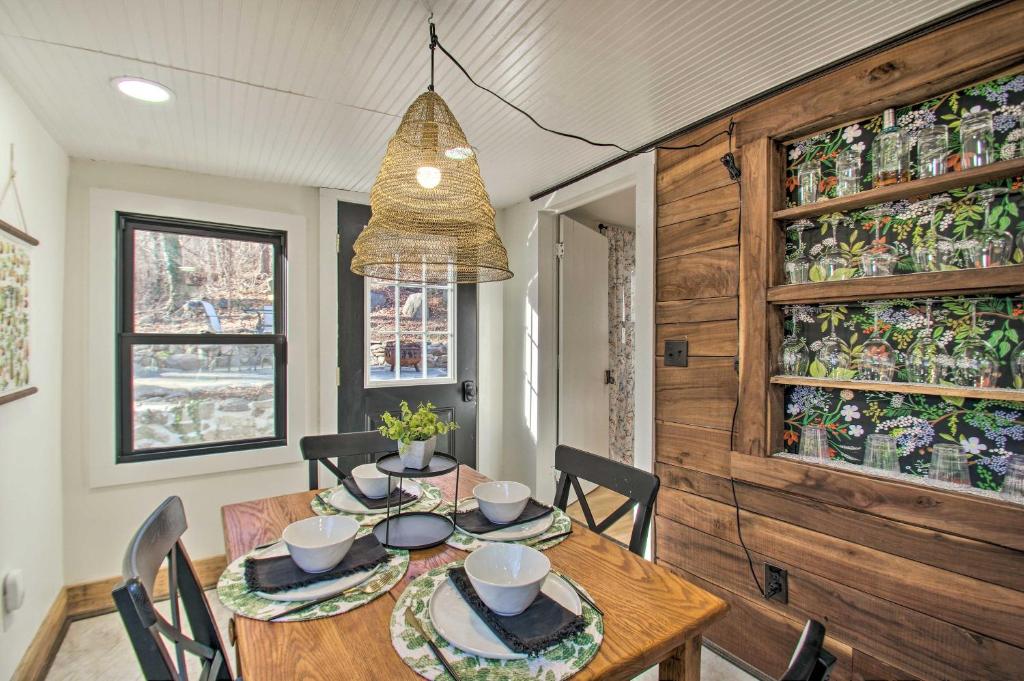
{"points": [[432, 220]]}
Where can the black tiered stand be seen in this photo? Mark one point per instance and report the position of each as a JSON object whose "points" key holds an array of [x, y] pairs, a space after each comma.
{"points": [[419, 529]]}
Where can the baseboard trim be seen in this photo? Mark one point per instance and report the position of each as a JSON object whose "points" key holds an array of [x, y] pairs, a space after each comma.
{"points": [[40, 652], [89, 599]]}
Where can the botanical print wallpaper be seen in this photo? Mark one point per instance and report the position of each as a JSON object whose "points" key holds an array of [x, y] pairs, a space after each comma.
{"points": [[1003, 96], [988, 430], [621, 331], [14, 270]]}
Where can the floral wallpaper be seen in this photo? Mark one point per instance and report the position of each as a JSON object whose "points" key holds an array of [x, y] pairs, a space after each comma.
{"points": [[988, 430], [1003, 96], [908, 223], [14, 349], [621, 331]]}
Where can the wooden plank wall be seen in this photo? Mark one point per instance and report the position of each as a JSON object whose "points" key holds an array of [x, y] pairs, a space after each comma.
{"points": [[911, 583]]}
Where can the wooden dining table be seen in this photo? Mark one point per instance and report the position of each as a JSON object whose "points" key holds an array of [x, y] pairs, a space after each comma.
{"points": [[651, 616]]}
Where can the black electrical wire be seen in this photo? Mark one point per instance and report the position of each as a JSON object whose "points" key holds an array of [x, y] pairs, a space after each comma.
{"points": [[434, 42]]}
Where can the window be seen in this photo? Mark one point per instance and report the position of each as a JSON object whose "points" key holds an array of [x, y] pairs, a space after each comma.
{"points": [[201, 343], [410, 333]]}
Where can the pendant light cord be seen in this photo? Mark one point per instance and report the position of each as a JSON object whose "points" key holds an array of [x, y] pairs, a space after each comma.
{"points": [[434, 42]]}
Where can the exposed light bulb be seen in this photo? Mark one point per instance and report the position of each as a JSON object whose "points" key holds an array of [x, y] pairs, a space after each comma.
{"points": [[428, 176]]}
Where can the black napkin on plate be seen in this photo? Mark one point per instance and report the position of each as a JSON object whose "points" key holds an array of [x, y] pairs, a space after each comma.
{"points": [[375, 504], [280, 573], [476, 522], [540, 626]]}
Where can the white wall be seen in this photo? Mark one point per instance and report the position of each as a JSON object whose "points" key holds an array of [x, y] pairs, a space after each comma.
{"points": [[105, 503], [529, 357], [30, 428]]}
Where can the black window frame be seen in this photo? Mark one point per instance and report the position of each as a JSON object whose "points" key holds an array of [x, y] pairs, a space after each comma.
{"points": [[127, 337]]}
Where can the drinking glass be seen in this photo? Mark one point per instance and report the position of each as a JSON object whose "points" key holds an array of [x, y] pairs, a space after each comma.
{"points": [[879, 259], [814, 443], [1013, 481], [833, 355], [927, 361], [794, 357], [949, 464], [1017, 365], [880, 452], [798, 265], [834, 264], [932, 151], [848, 170], [876, 360], [992, 247], [976, 139], [975, 362], [809, 177], [935, 253]]}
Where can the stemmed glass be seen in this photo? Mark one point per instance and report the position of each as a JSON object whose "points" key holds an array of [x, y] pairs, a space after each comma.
{"points": [[876, 360], [936, 252], [975, 362], [927, 361], [831, 353], [834, 264], [798, 265], [992, 247], [879, 259], [794, 357]]}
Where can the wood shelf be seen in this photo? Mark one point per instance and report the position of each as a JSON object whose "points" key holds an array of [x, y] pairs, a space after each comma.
{"points": [[906, 190], [1007, 394], [1007, 279]]}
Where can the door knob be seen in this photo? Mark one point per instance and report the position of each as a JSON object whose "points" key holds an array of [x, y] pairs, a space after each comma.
{"points": [[469, 391]]}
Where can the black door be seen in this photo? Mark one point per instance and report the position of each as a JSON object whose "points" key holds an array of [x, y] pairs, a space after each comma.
{"points": [[419, 347]]}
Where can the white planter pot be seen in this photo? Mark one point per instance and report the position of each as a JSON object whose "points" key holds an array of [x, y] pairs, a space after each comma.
{"points": [[417, 454]]}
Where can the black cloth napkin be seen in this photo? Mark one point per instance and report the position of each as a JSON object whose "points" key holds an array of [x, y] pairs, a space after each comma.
{"points": [[476, 522], [375, 504], [280, 573], [543, 624]]}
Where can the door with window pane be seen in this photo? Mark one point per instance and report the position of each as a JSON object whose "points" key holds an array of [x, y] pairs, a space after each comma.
{"points": [[404, 341]]}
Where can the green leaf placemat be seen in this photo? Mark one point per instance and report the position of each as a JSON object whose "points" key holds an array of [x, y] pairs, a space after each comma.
{"points": [[556, 663]]}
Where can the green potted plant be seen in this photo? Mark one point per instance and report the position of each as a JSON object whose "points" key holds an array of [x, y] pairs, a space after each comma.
{"points": [[415, 432]]}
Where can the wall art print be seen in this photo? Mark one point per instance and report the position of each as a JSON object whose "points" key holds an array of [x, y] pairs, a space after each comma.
{"points": [[1003, 96], [14, 315], [990, 431]]}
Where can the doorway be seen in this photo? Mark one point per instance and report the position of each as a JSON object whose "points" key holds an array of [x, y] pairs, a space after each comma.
{"points": [[409, 342]]}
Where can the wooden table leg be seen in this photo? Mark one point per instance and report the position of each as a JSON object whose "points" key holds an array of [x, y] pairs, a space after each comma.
{"points": [[684, 664]]}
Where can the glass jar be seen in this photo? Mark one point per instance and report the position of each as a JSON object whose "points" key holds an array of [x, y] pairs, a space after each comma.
{"points": [[932, 151], [809, 177], [977, 139], [848, 170]]}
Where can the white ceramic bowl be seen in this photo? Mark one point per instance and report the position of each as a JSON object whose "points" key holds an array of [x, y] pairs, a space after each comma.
{"points": [[501, 501], [507, 577], [372, 482], [319, 543]]}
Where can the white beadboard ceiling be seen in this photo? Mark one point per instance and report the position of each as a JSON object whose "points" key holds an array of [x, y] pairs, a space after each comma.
{"points": [[309, 91]]}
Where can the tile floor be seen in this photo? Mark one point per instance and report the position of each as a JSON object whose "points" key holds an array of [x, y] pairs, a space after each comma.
{"points": [[97, 648]]}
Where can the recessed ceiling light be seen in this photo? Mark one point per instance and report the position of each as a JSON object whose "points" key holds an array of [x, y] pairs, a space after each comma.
{"points": [[141, 89]]}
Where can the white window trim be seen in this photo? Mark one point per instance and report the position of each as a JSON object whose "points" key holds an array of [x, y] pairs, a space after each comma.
{"points": [[452, 376]]}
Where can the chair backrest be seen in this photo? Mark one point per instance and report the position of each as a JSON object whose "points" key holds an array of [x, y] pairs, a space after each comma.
{"points": [[347, 449], [159, 540], [810, 661], [640, 488]]}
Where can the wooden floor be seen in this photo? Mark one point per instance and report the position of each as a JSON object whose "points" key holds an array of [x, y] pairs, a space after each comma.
{"points": [[602, 502]]}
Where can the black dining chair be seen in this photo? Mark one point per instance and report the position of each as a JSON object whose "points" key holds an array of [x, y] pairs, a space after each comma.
{"points": [[639, 486], [810, 661], [159, 540], [347, 449]]}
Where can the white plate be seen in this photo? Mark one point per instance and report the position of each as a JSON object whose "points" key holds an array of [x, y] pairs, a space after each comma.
{"points": [[463, 628], [514, 533], [343, 500], [320, 589]]}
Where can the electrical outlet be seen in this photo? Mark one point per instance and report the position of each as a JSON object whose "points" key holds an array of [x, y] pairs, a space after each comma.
{"points": [[677, 353], [776, 583]]}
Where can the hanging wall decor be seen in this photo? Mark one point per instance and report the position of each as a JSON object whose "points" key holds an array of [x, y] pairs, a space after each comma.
{"points": [[15, 265]]}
